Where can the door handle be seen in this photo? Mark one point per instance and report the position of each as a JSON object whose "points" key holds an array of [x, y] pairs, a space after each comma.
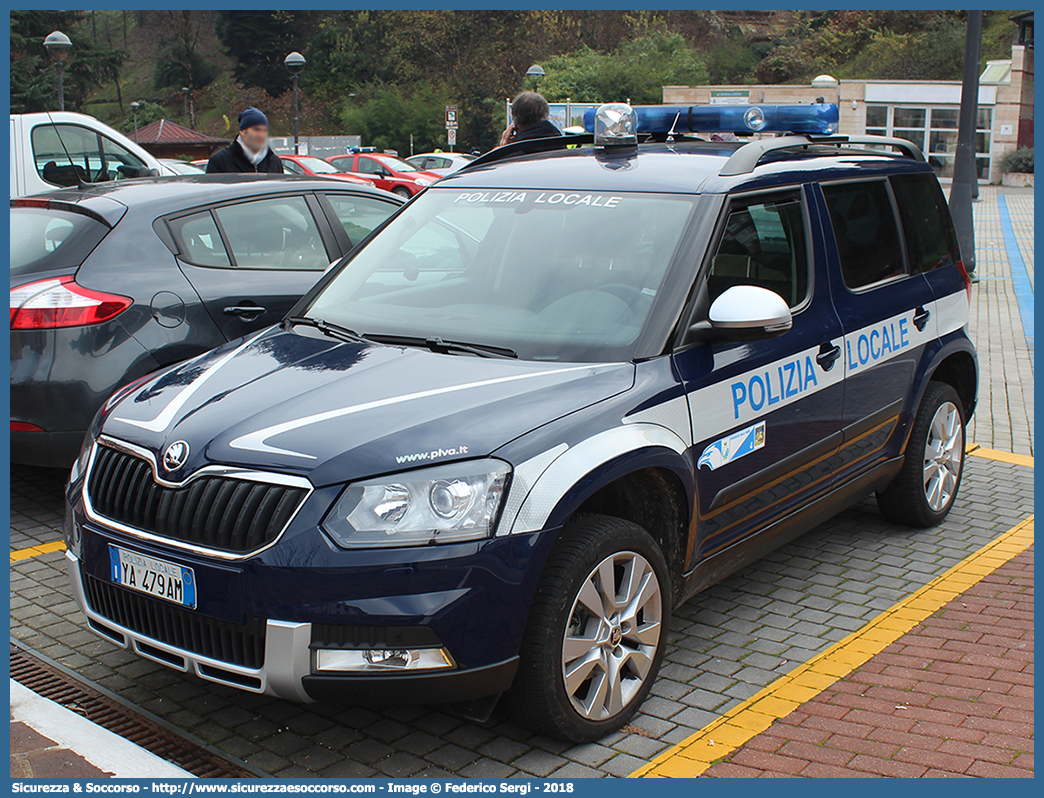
{"points": [[245, 312], [828, 353], [921, 316]]}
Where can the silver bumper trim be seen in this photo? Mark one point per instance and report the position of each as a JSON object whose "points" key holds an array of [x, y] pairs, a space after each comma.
{"points": [[287, 656]]}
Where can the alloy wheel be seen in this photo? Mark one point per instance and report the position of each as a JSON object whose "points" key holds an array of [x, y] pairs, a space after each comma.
{"points": [[943, 453], [611, 639]]}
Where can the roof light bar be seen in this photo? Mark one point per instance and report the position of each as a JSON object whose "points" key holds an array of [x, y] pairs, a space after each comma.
{"points": [[818, 118]]}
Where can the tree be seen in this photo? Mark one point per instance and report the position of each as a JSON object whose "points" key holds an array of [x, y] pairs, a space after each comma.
{"points": [[386, 114], [33, 84], [637, 69], [259, 41], [180, 62]]}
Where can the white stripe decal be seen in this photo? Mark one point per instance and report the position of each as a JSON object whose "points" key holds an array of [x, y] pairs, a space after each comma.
{"points": [[952, 312], [523, 479], [257, 441], [166, 415], [879, 342], [740, 401], [672, 414], [581, 459]]}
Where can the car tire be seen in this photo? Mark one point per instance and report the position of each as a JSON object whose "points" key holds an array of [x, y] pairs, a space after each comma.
{"points": [[924, 491], [402, 192], [615, 646]]}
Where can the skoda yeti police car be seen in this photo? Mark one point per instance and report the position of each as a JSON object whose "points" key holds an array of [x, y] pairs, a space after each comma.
{"points": [[553, 397]]}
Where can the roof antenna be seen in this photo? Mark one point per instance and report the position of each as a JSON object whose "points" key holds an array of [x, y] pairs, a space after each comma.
{"points": [[672, 132]]}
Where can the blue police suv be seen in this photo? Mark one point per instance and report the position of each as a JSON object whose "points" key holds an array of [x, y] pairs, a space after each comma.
{"points": [[551, 398]]}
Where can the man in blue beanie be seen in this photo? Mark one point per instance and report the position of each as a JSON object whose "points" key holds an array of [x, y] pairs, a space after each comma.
{"points": [[250, 151]]}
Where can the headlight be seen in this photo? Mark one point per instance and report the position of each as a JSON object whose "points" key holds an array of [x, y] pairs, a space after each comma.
{"points": [[81, 461], [444, 504], [420, 181]]}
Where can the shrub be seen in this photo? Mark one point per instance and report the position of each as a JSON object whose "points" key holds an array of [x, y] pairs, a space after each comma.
{"points": [[1020, 160]]}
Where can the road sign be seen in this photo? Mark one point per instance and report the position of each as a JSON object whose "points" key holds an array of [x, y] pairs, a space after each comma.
{"points": [[451, 135], [451, 117]]}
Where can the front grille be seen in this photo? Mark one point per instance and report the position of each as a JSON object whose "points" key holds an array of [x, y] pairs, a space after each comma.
{"points": [[216, 512], [237, 644]]}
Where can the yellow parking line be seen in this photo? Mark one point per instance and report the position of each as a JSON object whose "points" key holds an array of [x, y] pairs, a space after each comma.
{"points": [[1005, 457], [736, 727], [35, 551]]}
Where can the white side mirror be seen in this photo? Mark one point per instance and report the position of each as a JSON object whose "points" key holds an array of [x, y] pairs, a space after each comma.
{"points": [[750, 311]]}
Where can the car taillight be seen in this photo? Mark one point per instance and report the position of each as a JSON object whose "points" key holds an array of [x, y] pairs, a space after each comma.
{"points": [[60, 302], [967, 278], [24, 426]]}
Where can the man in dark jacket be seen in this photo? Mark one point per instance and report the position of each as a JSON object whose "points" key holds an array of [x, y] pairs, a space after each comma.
{"points": [[529, 112], [250, 151]]}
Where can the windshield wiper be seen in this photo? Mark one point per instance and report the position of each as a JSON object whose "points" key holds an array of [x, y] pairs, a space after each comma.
{"points": [[437, 344], [328, 328]]}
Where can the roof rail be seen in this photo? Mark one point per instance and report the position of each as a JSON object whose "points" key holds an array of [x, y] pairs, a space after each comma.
{"points": [[747, 157], [529, 146]]}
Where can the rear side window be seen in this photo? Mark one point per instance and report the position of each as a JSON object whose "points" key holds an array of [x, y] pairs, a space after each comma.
{"points": [[43, 239], [764, 245], [199, 241], [278, 233], [930, 238], [864, 229], [359, 215]]}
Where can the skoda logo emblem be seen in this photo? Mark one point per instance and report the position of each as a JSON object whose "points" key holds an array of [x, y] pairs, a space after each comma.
{"points": [[175, 455]]}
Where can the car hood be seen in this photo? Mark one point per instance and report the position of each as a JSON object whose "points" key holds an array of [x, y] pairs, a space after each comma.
{"points": [[297, 403]]}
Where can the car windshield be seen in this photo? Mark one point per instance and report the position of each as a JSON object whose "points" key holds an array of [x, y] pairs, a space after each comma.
{"points": [[553, 275], [396, 165], [317, 165]]}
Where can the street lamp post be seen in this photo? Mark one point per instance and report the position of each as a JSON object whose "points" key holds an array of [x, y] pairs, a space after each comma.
{"points": [[134, 106], [536, 72], [295, 64], [58, 45]]}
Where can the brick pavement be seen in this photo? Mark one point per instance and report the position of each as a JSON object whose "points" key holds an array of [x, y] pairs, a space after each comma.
{"points": [[953, 697], [36, 756], [1004, 417]]}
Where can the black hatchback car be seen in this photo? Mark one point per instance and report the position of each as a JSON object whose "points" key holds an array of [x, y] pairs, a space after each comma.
{"points": [[115, 281]]}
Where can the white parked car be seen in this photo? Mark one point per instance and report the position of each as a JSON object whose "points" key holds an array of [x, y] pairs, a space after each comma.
{"points": [[441, 163], [172, 166], [52, 150]]}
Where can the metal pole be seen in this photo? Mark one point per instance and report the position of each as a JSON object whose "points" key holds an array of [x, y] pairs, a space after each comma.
{"points": [[135, 126], [296, 119], [964, 172], [61, 84]]}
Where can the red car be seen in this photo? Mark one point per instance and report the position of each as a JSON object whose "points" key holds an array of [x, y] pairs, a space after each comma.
{"points": [[386, 171], [316, 167]]}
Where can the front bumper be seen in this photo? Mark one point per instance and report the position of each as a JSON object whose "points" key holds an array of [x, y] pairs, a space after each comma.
{"points": [[287, 657], [287, 668]]}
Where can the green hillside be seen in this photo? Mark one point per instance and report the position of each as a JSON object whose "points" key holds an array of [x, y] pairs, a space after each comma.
{"points": [[387, 74]]}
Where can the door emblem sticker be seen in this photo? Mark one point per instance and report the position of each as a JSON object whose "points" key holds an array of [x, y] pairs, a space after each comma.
{"points": [[737, 445]]}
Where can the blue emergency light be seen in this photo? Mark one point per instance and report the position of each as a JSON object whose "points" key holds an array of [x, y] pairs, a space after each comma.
{"points": [[819, 118]]}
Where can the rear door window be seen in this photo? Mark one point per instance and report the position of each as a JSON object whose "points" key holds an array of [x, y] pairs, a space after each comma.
{"points": [[199, 241], [277, 233], [865, 231], [44, 239], [927, 227]]}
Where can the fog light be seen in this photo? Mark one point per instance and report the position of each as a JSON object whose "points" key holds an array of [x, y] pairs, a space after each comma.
{"points": [[342, 660]]}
